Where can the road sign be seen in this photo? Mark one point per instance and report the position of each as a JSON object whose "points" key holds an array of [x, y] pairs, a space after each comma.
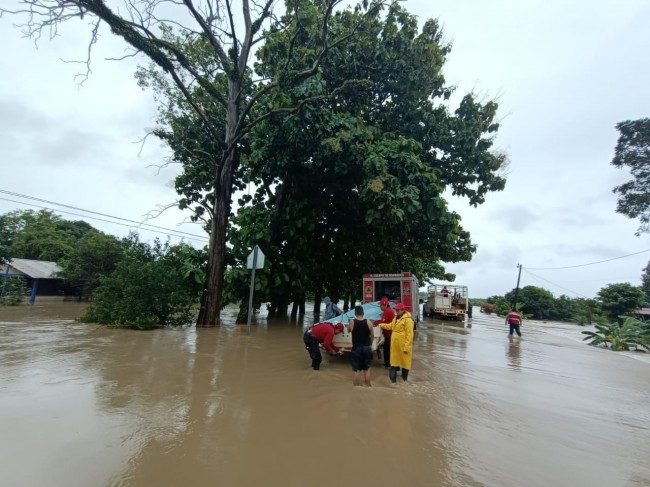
{"points": [[257, 262]]}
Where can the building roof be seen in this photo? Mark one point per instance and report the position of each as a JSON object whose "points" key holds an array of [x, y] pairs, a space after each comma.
{"points": [[36, 269]]}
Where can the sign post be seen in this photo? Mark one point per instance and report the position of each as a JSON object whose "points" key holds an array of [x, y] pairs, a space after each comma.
{"points": [[255, 261]]}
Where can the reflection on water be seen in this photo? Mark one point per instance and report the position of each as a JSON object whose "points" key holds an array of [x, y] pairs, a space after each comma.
{"points": [[84, 405], [513, 352]]}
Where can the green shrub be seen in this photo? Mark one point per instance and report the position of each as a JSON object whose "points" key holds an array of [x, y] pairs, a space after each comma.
{"points": [[13, 291], [149, 288]]}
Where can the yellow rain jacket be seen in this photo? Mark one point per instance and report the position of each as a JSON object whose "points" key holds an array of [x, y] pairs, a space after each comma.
{"points": [[401, 342]]}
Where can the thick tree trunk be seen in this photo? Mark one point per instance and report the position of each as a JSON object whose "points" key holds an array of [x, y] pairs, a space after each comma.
{"points": [[212, 299], [317, 304], [298, 307]]}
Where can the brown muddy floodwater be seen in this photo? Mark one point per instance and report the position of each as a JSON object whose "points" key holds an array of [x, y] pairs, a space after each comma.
{"points": [[87, 406]]}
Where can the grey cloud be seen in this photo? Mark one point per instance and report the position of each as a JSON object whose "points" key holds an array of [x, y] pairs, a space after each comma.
{"points": [[15, 117], [516, 218], [72, 147]]}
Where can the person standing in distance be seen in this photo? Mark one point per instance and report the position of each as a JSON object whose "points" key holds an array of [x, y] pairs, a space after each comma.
{"points": [[321, 333], [401, 343], [362, 335], [514, 320], [331, 309], [387, 316]]}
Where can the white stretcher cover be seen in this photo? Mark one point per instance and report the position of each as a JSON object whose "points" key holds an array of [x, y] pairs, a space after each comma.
{"points": [[371, 311]]}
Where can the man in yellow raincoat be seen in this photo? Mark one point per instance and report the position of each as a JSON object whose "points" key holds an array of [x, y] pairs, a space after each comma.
{"points": [[401, 345]]}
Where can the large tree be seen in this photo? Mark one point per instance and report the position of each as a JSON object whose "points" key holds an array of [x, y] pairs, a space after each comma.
{"points": [[218, 85], [355, 182], [645, 281], [620, 299], [10, 224], [536, 302], [40, 235], [633, 152], [94, 256]]}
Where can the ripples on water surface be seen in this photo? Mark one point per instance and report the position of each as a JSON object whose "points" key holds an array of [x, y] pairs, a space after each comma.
{"points": [[84, 405]]}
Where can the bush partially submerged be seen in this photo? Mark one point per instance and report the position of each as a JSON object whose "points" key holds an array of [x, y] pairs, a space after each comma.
{"points": [[13, 291], [632, 333], [150, 288]]}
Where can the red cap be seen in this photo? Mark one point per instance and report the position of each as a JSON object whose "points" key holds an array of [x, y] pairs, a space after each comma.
{"points": [[339, 326], [400, 306], [383, 302]]}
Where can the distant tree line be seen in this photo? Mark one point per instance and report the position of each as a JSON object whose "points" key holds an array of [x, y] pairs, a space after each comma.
{"points": [[612, 302], [131, 283]]}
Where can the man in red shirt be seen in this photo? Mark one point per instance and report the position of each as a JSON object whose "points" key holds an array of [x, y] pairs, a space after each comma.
{"points": [[514, 320], [321, 333], [387, 316]]}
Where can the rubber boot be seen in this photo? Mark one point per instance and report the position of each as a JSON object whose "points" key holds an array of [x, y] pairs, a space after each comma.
{"points": [[405, 374], [392, 374]]}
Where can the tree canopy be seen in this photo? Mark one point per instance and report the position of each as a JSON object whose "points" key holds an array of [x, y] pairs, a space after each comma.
{"points": [[94, 256], [633, 152], [620, 299], [535, 302], [215, 81], [354, 182], [342, 124], [149, 288], [41, 235]]}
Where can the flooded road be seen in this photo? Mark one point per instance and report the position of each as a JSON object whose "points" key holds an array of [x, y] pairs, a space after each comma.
{"points": [[83, 405]]}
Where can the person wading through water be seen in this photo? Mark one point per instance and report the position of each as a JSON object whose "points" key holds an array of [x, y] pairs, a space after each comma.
{"points": [[331, 309], [514, 320], [362, 335], [387, 316], [401, 344], [322, 333]]}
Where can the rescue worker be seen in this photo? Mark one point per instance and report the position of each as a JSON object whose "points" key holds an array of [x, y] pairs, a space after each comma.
{"points": [[401, 346], [387, 316], [331, 309], [362, 334], [514, 320], [321, 333]]}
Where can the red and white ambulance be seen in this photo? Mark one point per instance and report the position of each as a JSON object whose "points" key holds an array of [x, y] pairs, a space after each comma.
{"points": [[399, 288]]}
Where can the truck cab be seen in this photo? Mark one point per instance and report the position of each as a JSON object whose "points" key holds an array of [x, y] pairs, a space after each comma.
{"points": [[398, 288]]}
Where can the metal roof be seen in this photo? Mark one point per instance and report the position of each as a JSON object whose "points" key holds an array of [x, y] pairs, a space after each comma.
{"points": [[36, 269]]}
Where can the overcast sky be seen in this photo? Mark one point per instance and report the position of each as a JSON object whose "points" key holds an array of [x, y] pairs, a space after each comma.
{"points": [[564, 74]]}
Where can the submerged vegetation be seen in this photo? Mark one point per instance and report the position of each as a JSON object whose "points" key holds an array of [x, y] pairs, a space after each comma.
{"points": [[13, 291], [151, 287], [632, 334]]}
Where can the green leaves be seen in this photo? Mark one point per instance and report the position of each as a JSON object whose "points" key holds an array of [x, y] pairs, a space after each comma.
{"points": [[633, 151], [631, 334], [13, 291], [93, 256], [152, 286], [620, 299]]}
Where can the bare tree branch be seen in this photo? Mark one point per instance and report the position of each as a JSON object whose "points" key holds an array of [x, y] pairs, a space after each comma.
{"points": [[209, 34]]}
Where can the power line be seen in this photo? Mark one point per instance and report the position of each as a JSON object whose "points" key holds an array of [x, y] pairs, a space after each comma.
{"points": [[18, 195], [555, 284], [583, 265], [167, 231]]}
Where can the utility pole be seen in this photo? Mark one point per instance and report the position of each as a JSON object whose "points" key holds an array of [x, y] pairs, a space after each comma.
{"points": [[514, 304]]}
